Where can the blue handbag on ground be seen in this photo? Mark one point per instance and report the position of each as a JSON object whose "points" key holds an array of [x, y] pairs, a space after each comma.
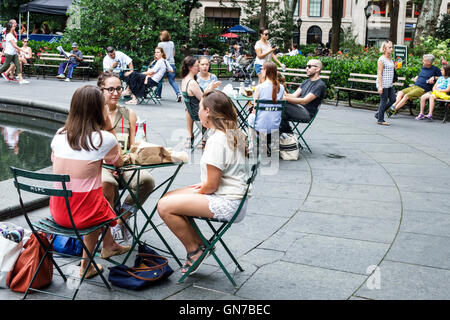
{"points": [[149, 268], [67, 245]]}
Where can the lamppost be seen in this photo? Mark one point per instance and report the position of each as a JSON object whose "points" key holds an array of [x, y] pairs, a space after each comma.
{"points": [[299, 24], [368, 12]]}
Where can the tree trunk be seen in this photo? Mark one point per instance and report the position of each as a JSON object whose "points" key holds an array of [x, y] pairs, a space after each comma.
{"points": [[393, 8], [263, 15], [428, 19], [336, 15]]}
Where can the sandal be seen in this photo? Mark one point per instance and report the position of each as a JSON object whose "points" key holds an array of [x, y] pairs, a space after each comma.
{"points": [[133, 102], [189, 142], [383, 123], [201, 248], [92, 272]]}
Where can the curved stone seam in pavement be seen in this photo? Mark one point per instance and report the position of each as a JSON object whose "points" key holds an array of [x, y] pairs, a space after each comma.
{"points": [[398, 228], [296, 211]]}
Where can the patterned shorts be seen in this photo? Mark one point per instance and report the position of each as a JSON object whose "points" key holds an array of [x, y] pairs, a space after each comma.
{"points": [[224, 209]]}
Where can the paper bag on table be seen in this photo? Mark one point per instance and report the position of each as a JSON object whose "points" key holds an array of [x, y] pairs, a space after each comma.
{"points": [[145, 153]]}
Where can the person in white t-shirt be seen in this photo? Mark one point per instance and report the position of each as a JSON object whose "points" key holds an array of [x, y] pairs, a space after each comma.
{"points": [[11, 54], [116, 61], [264, 52], [223, 177]]}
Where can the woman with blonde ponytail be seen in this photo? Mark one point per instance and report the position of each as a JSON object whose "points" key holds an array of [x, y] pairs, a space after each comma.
{"points": [[223, 174]]}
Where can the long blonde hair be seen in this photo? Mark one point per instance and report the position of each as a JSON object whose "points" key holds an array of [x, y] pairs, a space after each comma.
{"points": [[224, 118]]}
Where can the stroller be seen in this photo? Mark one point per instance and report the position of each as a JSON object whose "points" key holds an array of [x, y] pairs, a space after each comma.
{"points": [[242, 68]]}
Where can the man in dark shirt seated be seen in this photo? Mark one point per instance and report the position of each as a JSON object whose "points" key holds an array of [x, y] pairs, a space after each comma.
{"points": [[303, 103], [422, 84]]}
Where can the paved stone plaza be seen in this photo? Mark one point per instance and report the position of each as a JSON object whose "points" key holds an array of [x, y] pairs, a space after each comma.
{"points": [[365, 216]]}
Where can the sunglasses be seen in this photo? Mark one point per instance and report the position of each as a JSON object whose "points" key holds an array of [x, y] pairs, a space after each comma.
{"points": [[266, 34], [112, 89], [310, 66]]}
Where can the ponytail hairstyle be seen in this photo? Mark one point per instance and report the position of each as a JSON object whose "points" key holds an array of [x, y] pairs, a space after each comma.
{"points": [[224, 118], [272, 75], [8, 28], [162, 53], [188, 62]]}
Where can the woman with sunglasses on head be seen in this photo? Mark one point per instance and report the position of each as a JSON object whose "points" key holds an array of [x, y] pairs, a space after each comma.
{"points": [[78, 150], [224, 171], [264, 52], [123, 121]]}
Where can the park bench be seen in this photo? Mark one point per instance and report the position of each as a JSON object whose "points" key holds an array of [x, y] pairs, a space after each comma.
{"points": [[218, 69], [446, 108], [294, 77], [366, 83], [52, 60]]}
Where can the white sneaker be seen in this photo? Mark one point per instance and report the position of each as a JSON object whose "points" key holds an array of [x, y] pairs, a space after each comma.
{"points": [[60, 76], [24, 82], [67, 80]]}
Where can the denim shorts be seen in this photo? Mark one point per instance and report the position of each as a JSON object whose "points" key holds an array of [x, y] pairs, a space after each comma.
{"points": [[258, 68]]}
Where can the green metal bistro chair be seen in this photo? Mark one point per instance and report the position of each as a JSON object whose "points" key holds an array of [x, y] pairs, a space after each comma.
{"points": [[37, 183], [300, 133], [218, 234], [272, 111], [150, 93], [199, 129]]}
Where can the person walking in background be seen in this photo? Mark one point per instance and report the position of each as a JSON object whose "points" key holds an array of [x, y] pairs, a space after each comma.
{"points": [[169, 48], [264, 53], [75, 57], [385, 81], [441, 90], [11, 54], [205, 78]]}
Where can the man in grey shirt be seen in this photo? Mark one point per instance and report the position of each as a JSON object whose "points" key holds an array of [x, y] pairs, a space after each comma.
{"points": [[75, 57]]}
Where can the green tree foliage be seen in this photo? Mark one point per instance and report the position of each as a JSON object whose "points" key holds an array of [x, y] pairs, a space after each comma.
{"points": [[206, 34], [443, 31], [9, 9], [132, 26]]}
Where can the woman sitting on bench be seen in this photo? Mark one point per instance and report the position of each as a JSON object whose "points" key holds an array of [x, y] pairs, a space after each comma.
{"points": [[138, 82]]}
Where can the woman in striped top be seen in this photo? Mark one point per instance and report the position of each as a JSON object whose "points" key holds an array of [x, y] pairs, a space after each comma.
{"points": [[79, 149], [385, 80]]}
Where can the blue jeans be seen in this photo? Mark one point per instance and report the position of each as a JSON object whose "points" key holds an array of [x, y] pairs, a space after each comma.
{"points": [[70, 68], [387, 98], [171, 77]]}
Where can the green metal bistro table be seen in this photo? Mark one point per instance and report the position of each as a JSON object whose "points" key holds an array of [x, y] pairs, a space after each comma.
{"points": [[135, 231], [241, 103]]}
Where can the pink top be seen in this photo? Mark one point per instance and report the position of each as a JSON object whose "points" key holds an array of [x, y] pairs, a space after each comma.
{"points": [[88, 205]]}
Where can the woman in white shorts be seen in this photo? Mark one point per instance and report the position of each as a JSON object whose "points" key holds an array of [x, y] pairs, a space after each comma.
{"points": [[223, 174]]}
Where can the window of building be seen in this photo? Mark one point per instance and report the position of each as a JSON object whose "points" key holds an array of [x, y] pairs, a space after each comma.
{"points": [[225, 18], [380, 8], [315, 8], [296, 10], [314, 35], [341, 36], [413, 9]]}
